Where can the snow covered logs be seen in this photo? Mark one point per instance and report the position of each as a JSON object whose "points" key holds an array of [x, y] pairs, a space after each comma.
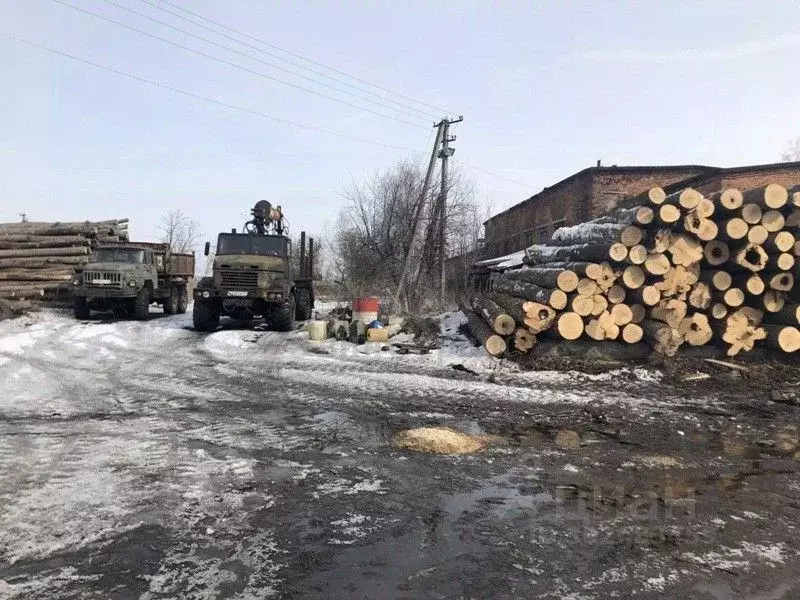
{"points": [[38, 260], [673, 270]]}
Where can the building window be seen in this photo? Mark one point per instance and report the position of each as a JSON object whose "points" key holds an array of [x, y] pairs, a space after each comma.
{"points": [[559, 223], [528, 238], [543, 234]]}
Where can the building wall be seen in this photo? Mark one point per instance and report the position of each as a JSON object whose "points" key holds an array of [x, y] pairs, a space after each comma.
{"points": [[535, 220], [748, 179], [597, 190], [610, 186]]}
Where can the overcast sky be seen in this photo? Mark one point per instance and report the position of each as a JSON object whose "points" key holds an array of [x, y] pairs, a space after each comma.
{"points": [[546, 89]]}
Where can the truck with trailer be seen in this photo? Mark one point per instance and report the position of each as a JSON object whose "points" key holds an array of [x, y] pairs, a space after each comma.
{"points": [[255, 275], [127, 277]]}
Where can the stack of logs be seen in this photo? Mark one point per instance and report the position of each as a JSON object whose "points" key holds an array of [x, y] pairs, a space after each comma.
{"points": [[670, 270], [38, 260]]}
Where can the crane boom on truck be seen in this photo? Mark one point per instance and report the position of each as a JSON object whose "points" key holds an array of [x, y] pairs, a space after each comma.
{"points": [[254, 275]]}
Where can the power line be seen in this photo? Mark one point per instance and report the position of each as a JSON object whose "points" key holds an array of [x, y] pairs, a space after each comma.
{"points": [[427, 114], [308, 60], [494, 174], [200, 97], [232, 64], [269, 64]]}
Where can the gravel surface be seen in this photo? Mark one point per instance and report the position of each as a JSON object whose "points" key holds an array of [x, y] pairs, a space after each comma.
{"points": [[144, 460]]}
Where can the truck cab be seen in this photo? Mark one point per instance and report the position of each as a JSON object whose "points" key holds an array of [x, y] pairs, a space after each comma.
{"points": [[127, 278], [253, 275]]}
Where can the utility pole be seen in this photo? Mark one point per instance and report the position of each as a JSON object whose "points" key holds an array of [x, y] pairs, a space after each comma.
{"points": [[421, 201], [445, 153]]}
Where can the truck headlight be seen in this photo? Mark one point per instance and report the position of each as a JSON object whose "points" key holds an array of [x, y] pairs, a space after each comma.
{"points": [[132, 283], [76, 281], [206, 295]]}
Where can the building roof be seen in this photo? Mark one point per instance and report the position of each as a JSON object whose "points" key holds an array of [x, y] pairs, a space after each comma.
{"points": [[613, 169], [707, 171]]}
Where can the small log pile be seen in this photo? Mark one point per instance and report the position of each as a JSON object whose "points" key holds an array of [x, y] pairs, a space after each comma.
{"points": [[669, 270], [38, 260]]}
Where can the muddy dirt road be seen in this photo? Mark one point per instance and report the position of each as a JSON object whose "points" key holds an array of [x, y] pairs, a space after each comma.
{"points": [[143, 460]]}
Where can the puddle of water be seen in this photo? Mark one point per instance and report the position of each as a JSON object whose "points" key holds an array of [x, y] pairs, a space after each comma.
{"points": [[500, 501]]}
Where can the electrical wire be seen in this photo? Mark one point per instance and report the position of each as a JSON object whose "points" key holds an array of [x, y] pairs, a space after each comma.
{"points": [[493, 174], [267, 63], [428, 114], [295, 55], [235, 65], [202, 98]]}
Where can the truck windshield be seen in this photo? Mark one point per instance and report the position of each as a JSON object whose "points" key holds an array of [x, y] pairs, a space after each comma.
{"points": [[238, 243], [125, 255]]}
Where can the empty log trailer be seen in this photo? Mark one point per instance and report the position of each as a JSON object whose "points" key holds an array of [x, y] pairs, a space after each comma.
{"points": [[126, 277]]}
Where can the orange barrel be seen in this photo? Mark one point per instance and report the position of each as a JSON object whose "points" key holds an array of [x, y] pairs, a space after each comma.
{"points": [[366, 309]]}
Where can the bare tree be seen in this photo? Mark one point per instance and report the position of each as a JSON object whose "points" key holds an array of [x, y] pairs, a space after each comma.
{"points": [[179, 231], [792, 152], [375, 231]]}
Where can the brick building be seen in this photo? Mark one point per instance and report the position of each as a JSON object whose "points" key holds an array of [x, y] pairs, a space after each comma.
{"points": [[597, 190]]}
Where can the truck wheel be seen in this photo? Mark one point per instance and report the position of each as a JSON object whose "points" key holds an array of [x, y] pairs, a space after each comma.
{"points": [[81, 308], [204, 316], [302, 305], [141, 305], [183, 300], [171, 301], [283, 315]]}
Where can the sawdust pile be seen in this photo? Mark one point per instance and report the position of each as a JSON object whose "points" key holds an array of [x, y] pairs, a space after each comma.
{"points": [[440, 440]]}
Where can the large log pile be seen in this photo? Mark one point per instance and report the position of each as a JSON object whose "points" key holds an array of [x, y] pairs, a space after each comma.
{"points": [[674, 270], [38, 260]]}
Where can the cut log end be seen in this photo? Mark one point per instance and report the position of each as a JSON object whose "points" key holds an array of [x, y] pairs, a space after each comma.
{"points": [[631, 236], [731, 198], [783, 337], [632, 333], [570, 325], [637, 254], [645, 215], [669, 213], [618, 252], [716, 252]]}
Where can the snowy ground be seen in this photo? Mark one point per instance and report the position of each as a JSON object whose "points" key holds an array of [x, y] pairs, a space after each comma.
{"points": [[144, 460]]}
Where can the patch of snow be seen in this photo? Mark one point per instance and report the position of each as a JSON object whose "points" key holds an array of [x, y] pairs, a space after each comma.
{"points": [[571, 468]]}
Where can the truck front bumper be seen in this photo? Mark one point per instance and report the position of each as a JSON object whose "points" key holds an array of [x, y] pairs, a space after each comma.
{"points": [[216, 293], [100, 293]]}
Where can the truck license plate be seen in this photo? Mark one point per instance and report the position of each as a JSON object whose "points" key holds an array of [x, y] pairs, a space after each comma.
{"points": [[236, 294], [101, 281]]}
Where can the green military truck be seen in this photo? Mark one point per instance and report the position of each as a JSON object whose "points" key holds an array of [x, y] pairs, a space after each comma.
{"points": [[126, 277], [255, 274]]}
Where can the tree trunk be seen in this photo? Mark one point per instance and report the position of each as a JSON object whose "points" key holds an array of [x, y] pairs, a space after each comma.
{"points": [[770, 196], [30, 252], [788, 315], [493, 343], [563, 279], [783, 337], [588, 233], [539, 255], [661, 337], [42, 262], [500, 321], [512, 306], [529, 291], [36, 275]]}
